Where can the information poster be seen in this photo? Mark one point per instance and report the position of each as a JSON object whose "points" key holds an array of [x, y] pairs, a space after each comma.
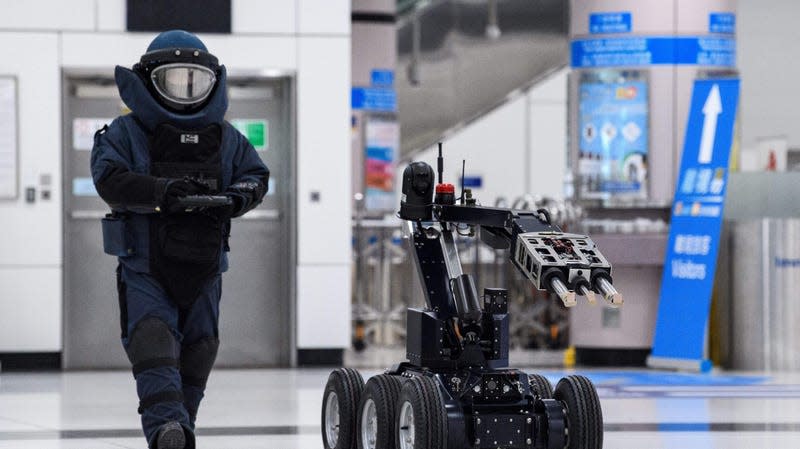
{"points": [[613, 122], [83, 186], [256, 131], [83, 130], [382, 142], [8, 138]]}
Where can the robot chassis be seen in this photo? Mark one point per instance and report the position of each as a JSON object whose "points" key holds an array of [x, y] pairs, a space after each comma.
{"points": [[456, 390]]}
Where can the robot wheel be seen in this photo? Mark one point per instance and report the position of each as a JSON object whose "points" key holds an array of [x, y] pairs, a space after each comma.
{"points": [[583, 412], [339, 407]]}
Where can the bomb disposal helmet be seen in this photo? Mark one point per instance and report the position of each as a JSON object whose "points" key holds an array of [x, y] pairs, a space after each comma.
{"points": [[179, 71]]}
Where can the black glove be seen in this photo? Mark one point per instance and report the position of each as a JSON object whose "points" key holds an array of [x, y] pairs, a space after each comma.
{"points": [[238, 199], [245, 196], [225, 212], [179, 188]]}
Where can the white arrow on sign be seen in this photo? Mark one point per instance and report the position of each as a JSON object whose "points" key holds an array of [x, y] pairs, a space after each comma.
{"points": [[711, 110]]}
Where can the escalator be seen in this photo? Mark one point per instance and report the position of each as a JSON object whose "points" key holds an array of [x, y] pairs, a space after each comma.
{"points": [[460, 59]]}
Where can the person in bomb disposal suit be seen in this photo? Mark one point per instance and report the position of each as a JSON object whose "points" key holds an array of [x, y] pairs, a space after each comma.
{"points": [[174, 143]]}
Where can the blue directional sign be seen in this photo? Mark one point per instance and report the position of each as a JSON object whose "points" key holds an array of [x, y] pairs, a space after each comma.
{"points": [[691, 256], [722, 22], [473, 182], [610, 22], [653, 50], [382, 77], [373, 99]]}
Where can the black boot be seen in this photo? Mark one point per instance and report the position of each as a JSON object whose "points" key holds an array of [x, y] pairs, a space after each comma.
{"points": [[171, 436]]}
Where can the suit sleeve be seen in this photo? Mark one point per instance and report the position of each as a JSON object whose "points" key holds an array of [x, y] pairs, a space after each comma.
{"points": [[113, 175], [250, 180]]}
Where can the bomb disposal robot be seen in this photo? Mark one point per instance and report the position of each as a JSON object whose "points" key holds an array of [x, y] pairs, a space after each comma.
{"points": [[456, 390]]}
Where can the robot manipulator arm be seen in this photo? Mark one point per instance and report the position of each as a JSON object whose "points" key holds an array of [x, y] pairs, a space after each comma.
{"points": [[565, 264], [434, 248], [448, 289]]}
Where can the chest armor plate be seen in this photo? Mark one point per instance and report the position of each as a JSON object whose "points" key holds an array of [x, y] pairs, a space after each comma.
{"points": [[177, 153], [185, 247]]}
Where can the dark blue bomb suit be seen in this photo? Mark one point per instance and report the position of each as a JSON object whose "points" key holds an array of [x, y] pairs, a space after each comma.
{"points": [[173, 144]]}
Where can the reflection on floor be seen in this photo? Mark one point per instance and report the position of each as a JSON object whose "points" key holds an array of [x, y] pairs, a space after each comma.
{"points": [[280, 409]]}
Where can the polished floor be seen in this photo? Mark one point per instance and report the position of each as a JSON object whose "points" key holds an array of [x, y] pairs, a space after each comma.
{"points": [[280, 409]]}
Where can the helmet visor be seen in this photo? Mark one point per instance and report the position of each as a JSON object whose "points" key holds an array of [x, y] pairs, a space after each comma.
{"points": [[182, 83]]}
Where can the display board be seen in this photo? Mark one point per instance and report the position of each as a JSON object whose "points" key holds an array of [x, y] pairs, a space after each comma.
{"points": [[613, 119], [9, 152], [382, 138]]}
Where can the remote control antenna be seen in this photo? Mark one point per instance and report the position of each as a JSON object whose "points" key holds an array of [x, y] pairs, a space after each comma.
{"points": [[440, 163], [463, 168]]}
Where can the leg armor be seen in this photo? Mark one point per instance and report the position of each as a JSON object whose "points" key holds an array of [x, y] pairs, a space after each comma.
{"points": [[152, 345], [154, 351], [196, 362]]}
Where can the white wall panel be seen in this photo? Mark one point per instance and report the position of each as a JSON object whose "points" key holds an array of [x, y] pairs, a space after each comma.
{"points": [[101, 51], [551, 90], [47, 15], [548, 136], [374, 46], [658, 20], [323, 16], [264, 16], [323, 306], [767, 35], [692, 16], [111, 15], [548, 147], [494, 148], [240, 52], [252, 52], [30, 234], [323, 139], [30, 309]]}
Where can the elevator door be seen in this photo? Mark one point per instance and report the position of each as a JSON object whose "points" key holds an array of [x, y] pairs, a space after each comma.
{"points": [[255, 311]]}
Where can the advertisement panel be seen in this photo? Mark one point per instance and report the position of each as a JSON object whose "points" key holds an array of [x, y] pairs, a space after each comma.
{"points": [[613, 119], [382, 143]]}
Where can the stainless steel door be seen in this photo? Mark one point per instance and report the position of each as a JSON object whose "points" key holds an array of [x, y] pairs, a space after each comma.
{"points": [[255, 313], [255, 324], [91, 313]]}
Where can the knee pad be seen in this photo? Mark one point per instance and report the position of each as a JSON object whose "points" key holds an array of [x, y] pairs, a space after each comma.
{"points": [[197, 360], [152, 345]]}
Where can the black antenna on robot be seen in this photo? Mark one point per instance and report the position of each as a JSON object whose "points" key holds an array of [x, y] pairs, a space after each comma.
{"points": [[440, 163], [463, 168]]}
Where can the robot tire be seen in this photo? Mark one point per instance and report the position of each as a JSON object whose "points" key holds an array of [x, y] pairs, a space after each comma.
{"points": [[412, 408], [339, 406]]}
